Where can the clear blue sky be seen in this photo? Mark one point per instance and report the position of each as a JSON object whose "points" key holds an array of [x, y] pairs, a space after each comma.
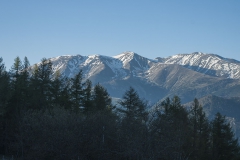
{"points": [[151, 28]]}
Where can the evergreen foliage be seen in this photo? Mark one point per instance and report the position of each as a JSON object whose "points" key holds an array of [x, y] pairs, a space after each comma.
{"points": [[101, 98], [133, 128], [76, 92], [40, 85], [4, 87], [200, 132], [133, 107], [224, 144], [170, 130], [88, 98], [46, 116]]}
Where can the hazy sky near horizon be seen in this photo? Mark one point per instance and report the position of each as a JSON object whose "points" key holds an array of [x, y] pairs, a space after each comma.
{"points": [[153, 28]]}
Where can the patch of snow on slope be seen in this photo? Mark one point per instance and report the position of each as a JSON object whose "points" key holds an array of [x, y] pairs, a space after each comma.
{"points": [[125, 57], [60, 62], [116, 66], [207, 63]]}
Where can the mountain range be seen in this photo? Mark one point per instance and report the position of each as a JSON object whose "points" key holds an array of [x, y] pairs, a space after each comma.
{"points": [[213, 79], [187, 75]]}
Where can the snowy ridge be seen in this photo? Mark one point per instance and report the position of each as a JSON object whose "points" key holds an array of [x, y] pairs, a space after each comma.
{"points": [[97, 61], [210, 64], [131, 64], [125, 58], [186, 75], [122, 65], [90, 65], [116, 66], [67, 65]]}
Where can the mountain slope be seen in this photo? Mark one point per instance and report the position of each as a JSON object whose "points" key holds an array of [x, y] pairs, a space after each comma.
{"points": [[227, 106], [230, 107], [188, 76], [209, 64], [154, 80]]}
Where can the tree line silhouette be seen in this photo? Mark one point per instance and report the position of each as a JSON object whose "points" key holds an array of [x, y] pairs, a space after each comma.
{"points": [[47, 116]]}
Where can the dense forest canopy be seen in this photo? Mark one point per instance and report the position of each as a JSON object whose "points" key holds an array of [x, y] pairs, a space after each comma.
{"points": [[46, 116]]}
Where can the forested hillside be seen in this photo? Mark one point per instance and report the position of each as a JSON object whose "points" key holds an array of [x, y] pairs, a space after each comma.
{"points": [[47, 116]]}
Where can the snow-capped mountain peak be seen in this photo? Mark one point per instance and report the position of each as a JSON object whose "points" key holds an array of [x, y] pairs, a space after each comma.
{"points": [[126, 57], [134, 61], [173, 75], [210, 64]]}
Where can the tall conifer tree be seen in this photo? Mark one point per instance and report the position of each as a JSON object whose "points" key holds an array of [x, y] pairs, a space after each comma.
{"points": [[133, 129], [101, 98], [224, 143], [133, 107], [41, 84], [200, 137], [4, 87], [76, 92], [88, 97]]}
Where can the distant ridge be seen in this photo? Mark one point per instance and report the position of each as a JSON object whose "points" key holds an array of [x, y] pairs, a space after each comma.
{"points": [[210, 64], [213, 79], [186, 75]]}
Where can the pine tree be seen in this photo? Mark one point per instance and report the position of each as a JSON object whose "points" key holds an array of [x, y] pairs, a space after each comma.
{"points": [[170, 130], [133, 130], [224, 144], [87, 97], [17, 67], [56, 90], [45, 73], [25, 73], [15, 103], [4, 99], [101, 98], [4, 87], [133, 107], [76, 92], [101, 122], [25, 81], [40, 84], [200, 132], [34, 89], [65, 100], [19, 88]]}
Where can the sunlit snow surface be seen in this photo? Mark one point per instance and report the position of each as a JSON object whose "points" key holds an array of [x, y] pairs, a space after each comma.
{"points": [[131, 64], [207, 63]]}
